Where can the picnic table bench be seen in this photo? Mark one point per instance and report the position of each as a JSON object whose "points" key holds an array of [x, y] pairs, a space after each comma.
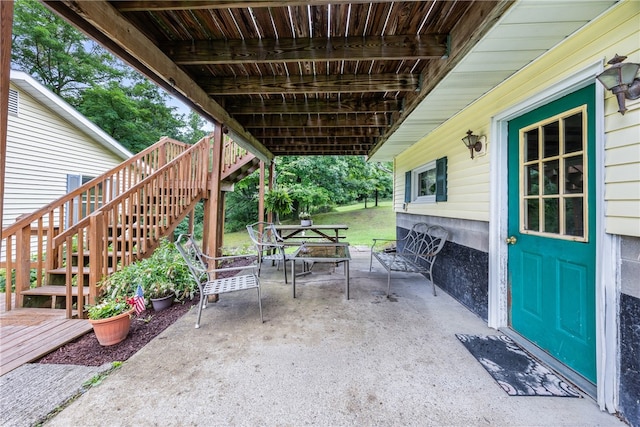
{"points": [[320, 231], [415, 253]]}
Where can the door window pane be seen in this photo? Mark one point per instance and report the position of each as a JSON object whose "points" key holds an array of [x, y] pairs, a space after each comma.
{"points": [[531, 145], [573, 176], [552, 215], [551, 141], [533, 215], [574, 216], [533, 179], [551, 174], [573, 133]]}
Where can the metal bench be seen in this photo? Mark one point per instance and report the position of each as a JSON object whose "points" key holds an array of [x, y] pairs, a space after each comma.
{"points": [[415, 253], [204, 270]]}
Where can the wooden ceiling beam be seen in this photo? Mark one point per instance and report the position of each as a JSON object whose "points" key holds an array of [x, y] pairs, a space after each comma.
{"points": [[343, 132], [159, 5], [260, 51], [318, 142], [347, 83], [318, 121], [354, 150], [314, 106]]}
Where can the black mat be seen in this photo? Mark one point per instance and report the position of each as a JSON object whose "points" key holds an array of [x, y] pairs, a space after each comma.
{"points": [[514, 369]]}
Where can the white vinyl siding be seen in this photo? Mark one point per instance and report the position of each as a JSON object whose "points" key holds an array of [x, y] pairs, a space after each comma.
{"points": [[42, 148], [622, 169], [616, 31]]}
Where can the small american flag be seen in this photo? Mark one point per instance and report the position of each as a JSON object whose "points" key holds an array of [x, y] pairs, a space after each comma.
{"points": [[138, 300]]}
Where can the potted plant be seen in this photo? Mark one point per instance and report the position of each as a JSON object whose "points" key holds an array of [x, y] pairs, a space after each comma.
{"points": [[305, 219], [161, 295], [279, 202], [111, 319]]}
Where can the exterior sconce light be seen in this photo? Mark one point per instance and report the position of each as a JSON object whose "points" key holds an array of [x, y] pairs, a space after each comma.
{"points": [[474, 143], [621, 80]]}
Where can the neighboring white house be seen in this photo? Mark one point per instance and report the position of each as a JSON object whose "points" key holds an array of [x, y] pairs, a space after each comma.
{"points": [[51, 148], [545, 219]]}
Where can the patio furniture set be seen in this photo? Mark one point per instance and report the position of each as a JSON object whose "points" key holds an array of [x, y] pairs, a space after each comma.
{"points": [[415, 253]]}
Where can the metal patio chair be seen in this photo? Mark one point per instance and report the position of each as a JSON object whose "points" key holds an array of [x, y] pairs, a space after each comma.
{"points": [[204, 270], [269, 245]]}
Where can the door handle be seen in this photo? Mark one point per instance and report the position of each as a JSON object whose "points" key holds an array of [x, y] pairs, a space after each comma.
{"points": [[511, 240]]}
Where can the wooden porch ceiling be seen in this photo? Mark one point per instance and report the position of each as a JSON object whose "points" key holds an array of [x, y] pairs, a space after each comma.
{"points": [[294, 77]]}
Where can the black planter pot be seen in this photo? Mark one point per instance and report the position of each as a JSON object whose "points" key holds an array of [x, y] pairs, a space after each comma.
{"points": [[162, 303]]}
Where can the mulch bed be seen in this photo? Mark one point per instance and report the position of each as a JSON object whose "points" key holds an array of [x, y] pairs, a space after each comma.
{"points": [[87, 351]]}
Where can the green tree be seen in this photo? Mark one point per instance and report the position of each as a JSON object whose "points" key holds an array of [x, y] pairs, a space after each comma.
{"points": [[56, 54], [241, 204], [136, 116], [317, 183], [194, 130]]}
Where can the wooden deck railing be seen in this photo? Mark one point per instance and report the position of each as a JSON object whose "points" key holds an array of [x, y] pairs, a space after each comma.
{"points": [[28, 244], [131, 225], [232, 153]]}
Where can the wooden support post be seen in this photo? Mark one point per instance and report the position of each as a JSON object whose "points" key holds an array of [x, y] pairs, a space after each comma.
{"points": [[220, 230], [192, 216], [212, 211], [23, 263], [272, 173], [96, 255], [6, 25], [206, 220], [261, 193]]}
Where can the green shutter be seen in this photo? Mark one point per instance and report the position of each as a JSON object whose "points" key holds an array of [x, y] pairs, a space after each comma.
{"points": [[407, 187], [441, 180]]}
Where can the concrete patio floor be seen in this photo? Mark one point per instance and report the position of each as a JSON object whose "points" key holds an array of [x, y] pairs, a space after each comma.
{"points": [[320, 360]]}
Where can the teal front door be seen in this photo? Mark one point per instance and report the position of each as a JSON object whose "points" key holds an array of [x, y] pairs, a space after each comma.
{"points": [[551, 264]]}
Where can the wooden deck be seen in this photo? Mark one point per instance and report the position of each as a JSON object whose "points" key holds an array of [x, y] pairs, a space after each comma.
{"points": [[27, 334]]}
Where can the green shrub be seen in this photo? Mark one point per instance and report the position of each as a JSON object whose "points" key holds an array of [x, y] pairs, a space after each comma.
{"points": [[164, 272]]}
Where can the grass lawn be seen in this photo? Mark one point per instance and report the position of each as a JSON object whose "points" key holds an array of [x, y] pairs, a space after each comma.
{"points": [[364, 225]]}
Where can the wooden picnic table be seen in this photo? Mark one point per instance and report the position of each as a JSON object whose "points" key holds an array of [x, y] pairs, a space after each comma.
{"points": [[330, 232]]}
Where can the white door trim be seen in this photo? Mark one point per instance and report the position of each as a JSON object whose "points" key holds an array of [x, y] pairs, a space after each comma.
{"points": [[606, 283]]}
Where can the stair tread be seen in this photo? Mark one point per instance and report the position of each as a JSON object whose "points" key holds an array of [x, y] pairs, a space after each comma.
{"points": [[118, 253], [74, 270], [54, 290]]}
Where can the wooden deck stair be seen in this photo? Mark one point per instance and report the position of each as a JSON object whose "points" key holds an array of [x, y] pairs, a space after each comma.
{"points": [[158, 187], [54, 292]]}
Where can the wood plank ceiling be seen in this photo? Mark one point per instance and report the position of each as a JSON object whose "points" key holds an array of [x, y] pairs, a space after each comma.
{"points": [[292, 77]]}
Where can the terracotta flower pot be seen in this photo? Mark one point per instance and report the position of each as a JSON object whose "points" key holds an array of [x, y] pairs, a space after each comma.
{"points": [[162, 303], [112, 330]]}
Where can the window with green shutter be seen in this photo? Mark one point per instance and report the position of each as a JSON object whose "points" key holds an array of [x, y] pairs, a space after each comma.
{"points": [[428, 183]]}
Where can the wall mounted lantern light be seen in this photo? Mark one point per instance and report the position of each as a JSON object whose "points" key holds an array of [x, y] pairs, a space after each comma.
{"points": [[621, 80], [474, 143]]}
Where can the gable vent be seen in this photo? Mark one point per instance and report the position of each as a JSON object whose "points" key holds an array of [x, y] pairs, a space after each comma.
{"points": [[13, 102]]}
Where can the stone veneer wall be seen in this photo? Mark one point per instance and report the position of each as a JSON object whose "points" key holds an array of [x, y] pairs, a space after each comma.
{"points": [[629, 332], [462, 268]]}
